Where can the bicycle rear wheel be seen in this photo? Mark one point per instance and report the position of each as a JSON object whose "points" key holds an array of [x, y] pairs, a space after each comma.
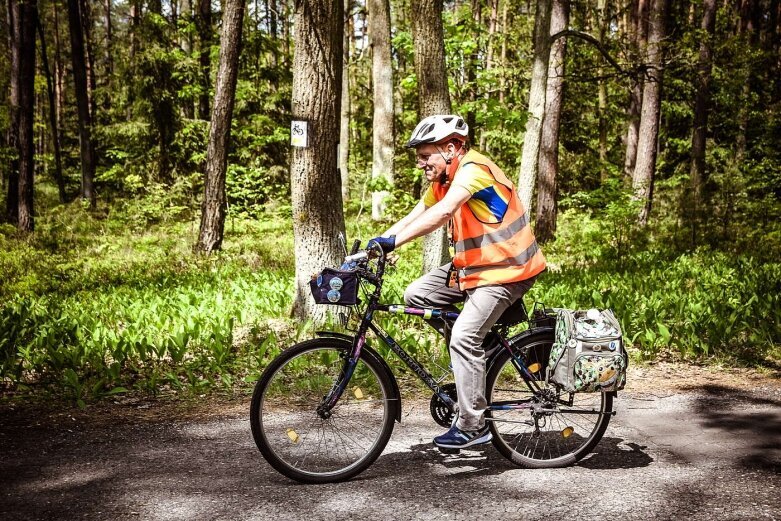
{"points": [[310, 447], [541, 429]]}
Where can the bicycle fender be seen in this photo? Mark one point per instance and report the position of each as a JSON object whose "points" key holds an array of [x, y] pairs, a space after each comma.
{"points": [[519, 338], [367, 349]]}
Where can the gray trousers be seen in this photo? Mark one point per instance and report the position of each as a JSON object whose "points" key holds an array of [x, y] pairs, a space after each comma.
{"points": [[482, 308]]}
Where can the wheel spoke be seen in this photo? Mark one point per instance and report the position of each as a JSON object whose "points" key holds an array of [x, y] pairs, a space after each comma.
{"points": [[566, 432], [301, 443]]}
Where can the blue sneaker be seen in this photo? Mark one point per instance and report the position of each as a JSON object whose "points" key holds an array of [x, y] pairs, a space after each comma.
{"points": [[455, 438]]}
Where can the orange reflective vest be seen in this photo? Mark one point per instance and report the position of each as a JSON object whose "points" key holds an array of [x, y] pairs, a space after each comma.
{"points": [[494, 253]]}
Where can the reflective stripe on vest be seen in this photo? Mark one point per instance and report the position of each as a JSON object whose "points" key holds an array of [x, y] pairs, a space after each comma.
{"points": [[494, 253]]}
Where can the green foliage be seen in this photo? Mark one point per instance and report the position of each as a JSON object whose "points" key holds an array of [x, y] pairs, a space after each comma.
{"points": [[92, 307], [697, 303]]}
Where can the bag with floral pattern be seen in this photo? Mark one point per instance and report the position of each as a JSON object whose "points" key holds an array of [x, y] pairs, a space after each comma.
{"points": [[588, 353]]}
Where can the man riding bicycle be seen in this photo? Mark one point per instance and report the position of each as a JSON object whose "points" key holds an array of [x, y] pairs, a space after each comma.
{"points": [[496, 256]]}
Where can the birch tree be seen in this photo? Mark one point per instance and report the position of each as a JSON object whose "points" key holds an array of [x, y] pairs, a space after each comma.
{"points": [[533, 135], [547, 193], [643, 180]]}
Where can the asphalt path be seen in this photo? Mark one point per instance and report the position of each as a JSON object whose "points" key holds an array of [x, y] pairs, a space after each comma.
{"points": [[713, 453]]}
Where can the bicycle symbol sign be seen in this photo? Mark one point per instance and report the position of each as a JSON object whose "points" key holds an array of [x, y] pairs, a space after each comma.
{"points": [[298, 133]]}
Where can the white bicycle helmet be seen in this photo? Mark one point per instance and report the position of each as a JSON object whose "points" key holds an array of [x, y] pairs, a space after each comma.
{"points": [[435, 129]]}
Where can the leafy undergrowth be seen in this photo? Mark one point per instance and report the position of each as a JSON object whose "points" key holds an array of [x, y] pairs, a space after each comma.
{"points": [[93, 309]]}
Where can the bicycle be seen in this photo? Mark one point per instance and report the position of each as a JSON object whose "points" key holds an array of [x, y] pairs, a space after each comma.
{"points": [[324, 409]]}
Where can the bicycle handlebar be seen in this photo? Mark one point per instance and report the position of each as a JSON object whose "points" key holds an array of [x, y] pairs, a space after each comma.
{"points": [[356, 257]]}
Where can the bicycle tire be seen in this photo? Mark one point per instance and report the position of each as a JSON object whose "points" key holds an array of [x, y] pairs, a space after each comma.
{"points": [[548, 439], [300, 444]]}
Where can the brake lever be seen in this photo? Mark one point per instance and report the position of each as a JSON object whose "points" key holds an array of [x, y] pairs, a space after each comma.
{"points": [[391, 259]]}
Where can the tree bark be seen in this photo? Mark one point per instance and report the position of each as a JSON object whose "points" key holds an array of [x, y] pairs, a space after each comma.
{"points": [[204, 24], [639, 24], [698, 173], [109, 57], [433, 96], [86, 23], [503, 59], [52, 116], [344, 119], [531, 140], [25, 17], [603, 14], [134, 20], [748, 28], [214, 201], [186, 42], [318, 216], [643, 180], [547, 194], [59, 69], [383, 132], [82, 103], [12, 139]]}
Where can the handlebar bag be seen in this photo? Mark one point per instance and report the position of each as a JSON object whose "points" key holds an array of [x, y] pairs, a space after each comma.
{"points": [[588, 353], [335, 287]]}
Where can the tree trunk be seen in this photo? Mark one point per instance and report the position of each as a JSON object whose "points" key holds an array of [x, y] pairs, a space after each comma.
{"points": [[344, 119], [433, 96], [639, 24], [25, 16], [134, 15], [82, 103], [86, 22], [489, 58], [59, 70], [204, 23], [643, 180], [383, 132], [748, 28], [12, 139], [214, 202], [109, 46], [318, 216], [531, 140], [470, 66], [186, 42], [52, 116], [547, 194], [701, 107], [503, 62], [603, 15]]}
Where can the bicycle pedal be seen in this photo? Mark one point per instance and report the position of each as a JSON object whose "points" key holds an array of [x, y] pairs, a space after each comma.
{"points": [[445, 450]]}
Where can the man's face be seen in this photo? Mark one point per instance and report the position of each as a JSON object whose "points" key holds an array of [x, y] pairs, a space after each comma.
{"points": [[430, 159]]}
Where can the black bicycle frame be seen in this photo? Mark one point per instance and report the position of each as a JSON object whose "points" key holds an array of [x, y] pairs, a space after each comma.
{"points": [[367, 323]]}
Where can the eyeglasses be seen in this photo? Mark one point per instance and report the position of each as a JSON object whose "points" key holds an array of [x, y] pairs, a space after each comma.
{"points": [[422, 159]]}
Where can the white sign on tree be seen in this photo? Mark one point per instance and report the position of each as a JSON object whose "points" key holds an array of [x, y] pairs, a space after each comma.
{"points": [[298, 133]]}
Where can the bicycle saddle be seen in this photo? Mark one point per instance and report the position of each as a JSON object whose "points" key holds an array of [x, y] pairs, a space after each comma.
{"points": [[514, 314]]}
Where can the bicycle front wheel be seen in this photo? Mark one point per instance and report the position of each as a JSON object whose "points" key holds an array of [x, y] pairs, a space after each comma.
{"points": [[546, 428], [312, 447]]}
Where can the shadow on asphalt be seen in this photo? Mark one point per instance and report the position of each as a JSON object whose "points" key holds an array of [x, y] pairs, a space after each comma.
{"points": [[610, 453], [734, 411]]}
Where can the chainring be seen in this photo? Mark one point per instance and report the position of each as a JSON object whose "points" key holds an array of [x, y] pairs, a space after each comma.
{"points": [[439, 409]]}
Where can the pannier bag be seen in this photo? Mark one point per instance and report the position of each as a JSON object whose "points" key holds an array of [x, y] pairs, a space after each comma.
{"points": [[335, 287], [588, 353]]}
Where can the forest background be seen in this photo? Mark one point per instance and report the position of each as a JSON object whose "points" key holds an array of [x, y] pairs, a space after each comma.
{"points": [[159, 227]]}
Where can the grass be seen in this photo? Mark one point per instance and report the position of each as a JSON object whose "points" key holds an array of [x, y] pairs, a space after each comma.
{"points": [[100, 304]]}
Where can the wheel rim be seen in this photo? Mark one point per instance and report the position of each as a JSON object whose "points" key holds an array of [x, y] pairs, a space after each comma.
{"points": [[298, 437], [547, 430]]}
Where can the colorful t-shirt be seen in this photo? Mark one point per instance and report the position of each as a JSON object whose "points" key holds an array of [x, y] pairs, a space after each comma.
{"points": [[489, 199]]}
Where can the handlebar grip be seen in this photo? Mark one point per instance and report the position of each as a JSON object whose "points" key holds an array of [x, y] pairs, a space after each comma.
{"points": [[356, 257]]}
